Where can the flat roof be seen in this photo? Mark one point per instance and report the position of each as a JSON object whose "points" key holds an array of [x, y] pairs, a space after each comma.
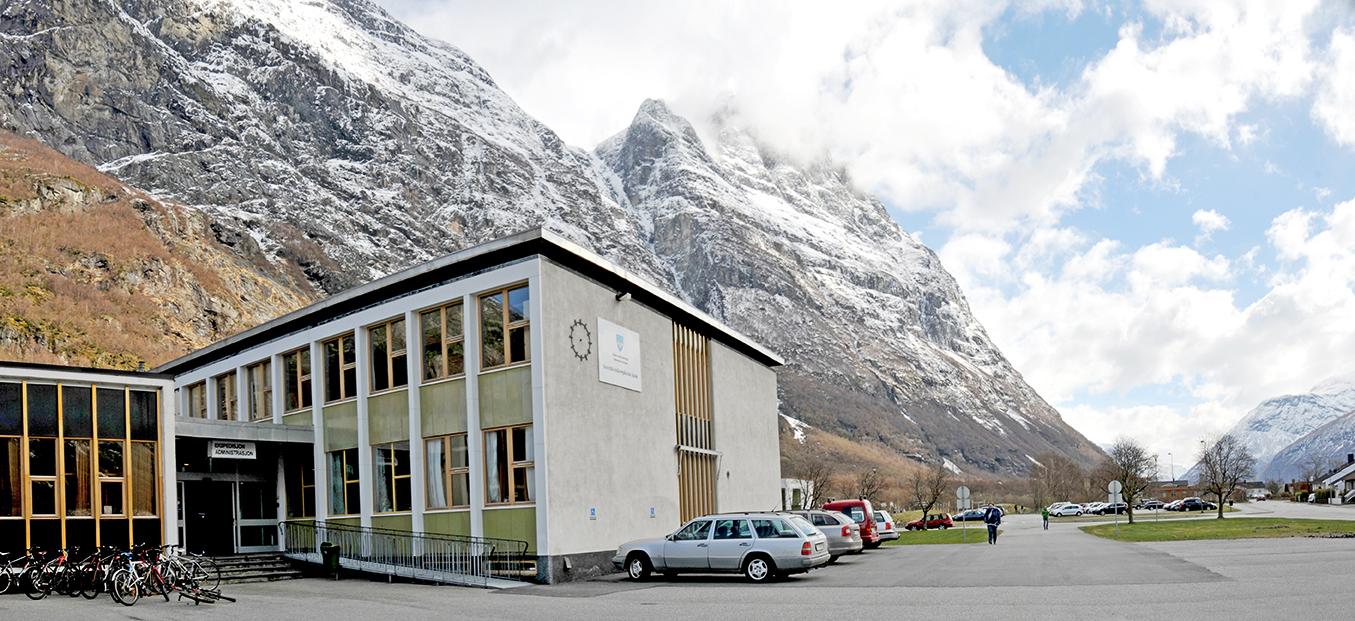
{"points": [[38, 366], [523, 245]]}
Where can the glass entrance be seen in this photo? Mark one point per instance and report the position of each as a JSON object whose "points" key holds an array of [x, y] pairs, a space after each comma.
{"points": [[257, 522], [228, 517]]}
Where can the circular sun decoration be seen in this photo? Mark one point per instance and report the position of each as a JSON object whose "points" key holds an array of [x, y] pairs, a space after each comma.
{"points": [[580, 339]]}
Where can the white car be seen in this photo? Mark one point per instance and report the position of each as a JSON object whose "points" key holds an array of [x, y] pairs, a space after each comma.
{"points": [[1092, 508], [886, 526], [1066, 511]]}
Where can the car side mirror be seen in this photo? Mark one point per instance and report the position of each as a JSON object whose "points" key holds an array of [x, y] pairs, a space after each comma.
{"points": [[669, 537]]}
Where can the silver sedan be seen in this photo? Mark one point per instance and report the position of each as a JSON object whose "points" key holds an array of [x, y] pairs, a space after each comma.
{"points": [[843, 533], [761, 546]]}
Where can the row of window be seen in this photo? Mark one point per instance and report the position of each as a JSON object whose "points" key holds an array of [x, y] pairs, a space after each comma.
{"points": [[504, 338], [118, 473], [509, 474]]}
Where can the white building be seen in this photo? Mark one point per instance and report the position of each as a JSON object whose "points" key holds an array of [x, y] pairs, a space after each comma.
{"points": [[524, 389]]}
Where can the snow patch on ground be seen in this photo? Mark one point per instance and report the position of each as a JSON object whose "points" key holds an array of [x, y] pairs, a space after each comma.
{"points": [[948, 465], [1034, 461], [797, 428]]}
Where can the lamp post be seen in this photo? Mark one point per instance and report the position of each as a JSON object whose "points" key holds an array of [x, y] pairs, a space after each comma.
{"points": [[1171, 464]]}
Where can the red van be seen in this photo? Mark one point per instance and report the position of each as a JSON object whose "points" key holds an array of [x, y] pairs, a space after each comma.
{"points": [[862, 512]]}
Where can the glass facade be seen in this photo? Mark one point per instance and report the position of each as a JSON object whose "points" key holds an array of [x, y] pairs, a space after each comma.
{"points": [[79, 464]]}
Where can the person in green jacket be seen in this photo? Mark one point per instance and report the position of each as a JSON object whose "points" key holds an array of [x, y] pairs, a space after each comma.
{"points": [[1044, 514]]}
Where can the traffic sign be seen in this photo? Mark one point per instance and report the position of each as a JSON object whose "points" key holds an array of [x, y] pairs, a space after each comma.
{"points": [[1115, 487], [962, 493]]}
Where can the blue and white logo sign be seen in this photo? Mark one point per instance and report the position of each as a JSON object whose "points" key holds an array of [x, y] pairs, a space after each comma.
{"points": [[619, 366]]}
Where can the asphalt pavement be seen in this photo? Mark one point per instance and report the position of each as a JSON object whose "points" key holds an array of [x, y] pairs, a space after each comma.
{"points": [[1030, 574]]}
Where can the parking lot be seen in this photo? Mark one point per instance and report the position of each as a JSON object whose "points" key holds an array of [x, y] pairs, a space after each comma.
{"points": [[1031, 574]]}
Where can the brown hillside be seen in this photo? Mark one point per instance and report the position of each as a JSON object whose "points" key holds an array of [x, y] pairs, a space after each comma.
{"points": [[93, 273]]}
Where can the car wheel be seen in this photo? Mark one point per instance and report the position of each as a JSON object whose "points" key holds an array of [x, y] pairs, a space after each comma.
{"points": [[944, 527], [832, 558], [637, 567], [759, 569]]}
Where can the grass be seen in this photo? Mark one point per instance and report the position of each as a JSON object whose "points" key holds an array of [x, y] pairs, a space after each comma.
{"points": [[953, 535], [1238, 528]]}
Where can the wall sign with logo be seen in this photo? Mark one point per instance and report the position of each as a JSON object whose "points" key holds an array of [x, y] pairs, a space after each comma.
{"points": [[618, 355], [231, 449]]}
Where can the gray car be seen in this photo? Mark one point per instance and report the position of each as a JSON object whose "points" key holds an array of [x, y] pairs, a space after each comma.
{"points": [[844, 534], [761, 546]]}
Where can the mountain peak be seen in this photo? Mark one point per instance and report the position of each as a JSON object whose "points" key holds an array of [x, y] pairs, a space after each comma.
{"points": [[1335, 385]]}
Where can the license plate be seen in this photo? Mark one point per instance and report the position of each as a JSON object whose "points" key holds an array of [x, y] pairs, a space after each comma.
{"points": [[818, 547]]}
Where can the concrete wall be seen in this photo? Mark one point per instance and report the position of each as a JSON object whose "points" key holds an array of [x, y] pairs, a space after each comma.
{"points": [[609, 448], [745, 432]]}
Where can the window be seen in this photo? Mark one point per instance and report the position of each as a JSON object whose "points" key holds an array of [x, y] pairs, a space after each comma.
{"points": [[225, 397], [388, 355], [300, 481], [696, 531], [260, 390], [197, 400], [341, 369], [11, 477], [42, 476], [443, 342], [79, 471], [143, 479], [732, 529], [448, 471], [773, 529], [343, 482], [296, 370], [112, 468], [392, 477], [510, 473], [504, 328]]}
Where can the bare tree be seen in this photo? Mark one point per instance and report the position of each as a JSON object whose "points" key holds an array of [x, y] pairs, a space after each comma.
{"points": [[1314, 465], [814, 476], [926, 486], [1054, 477], [1224, 463], [1134, 467], [868, 484]]}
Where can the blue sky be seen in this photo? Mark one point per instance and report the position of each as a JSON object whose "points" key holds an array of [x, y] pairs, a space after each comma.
{"points": [[1150, 206]]}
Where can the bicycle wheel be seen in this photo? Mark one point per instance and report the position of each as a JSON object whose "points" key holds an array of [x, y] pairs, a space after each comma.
{"points": [[205, 572], [6, 579], [91, 582], [39, 583], [125, 587]]}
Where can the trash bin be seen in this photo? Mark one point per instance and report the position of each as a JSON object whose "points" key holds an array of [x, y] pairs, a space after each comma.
{"points": [[329, 557]]}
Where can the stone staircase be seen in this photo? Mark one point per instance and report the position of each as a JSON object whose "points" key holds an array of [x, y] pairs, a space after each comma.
{"points": [[259, 567]]}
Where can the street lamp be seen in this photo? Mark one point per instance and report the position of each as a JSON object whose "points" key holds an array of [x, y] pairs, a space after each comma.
{"points": [[1171, 464]]}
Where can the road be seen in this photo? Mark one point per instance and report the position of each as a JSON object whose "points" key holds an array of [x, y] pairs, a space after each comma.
{"points": [[1030, 574]]}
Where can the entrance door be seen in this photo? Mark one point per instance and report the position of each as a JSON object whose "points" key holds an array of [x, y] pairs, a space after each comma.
{"points": [[257, 522], [209, 517]]}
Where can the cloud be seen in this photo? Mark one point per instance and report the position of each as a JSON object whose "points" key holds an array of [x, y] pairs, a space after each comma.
{"points": [[905, 96], [1334, 106], [1210, 221]]}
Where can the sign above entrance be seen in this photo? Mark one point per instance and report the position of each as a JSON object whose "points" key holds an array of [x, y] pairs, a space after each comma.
{"points": [[231, 449], [618, 355]]}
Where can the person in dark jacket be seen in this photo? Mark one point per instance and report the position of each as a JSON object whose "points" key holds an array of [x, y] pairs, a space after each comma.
{"points": [[993, 518]]}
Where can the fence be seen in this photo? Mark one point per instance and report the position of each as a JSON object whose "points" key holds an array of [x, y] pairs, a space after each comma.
{"points": [[446, 559]]}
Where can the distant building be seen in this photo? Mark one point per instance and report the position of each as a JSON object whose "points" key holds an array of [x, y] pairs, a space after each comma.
{"points": [[1342, 482], [1167, 491], [794, 494]]}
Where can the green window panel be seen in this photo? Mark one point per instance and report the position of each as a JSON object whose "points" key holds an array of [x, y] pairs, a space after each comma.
{"points": [[519, 524], [443, 408], [341, 426], [388, 417], [506, 398]]}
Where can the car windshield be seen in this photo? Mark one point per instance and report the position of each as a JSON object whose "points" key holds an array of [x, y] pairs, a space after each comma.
{"points": [[857, 514]]}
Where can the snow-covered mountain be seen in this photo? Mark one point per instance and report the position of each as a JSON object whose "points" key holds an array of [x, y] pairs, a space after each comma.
{"points": [[348, 145], [1324, 448], [1275, 426]]}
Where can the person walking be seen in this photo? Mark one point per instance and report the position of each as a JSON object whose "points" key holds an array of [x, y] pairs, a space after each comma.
{"points": [[993, 518], [1044, 515]]}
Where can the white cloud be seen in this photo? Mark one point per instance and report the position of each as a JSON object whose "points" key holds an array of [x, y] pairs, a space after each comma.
{"points": [[1334, 106], [1210, 221]]}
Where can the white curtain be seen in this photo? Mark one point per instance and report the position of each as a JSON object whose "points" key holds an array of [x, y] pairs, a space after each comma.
{"points": [[383, 481], [437, 488], [336, 505], [495, 462]]}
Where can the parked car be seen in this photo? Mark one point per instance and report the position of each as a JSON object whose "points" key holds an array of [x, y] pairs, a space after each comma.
{"points": [[970, 515], [928, 522], [1197, 504], [863, 513], [1150, 505], [886, 522], [1067, 510], [844, 535], [1093, 508], [1174, 505], [1058, 505], [761, 546], [1112, 509]]}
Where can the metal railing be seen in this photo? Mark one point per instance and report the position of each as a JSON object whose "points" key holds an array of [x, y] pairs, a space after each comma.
{"points": [[446, 559]]}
